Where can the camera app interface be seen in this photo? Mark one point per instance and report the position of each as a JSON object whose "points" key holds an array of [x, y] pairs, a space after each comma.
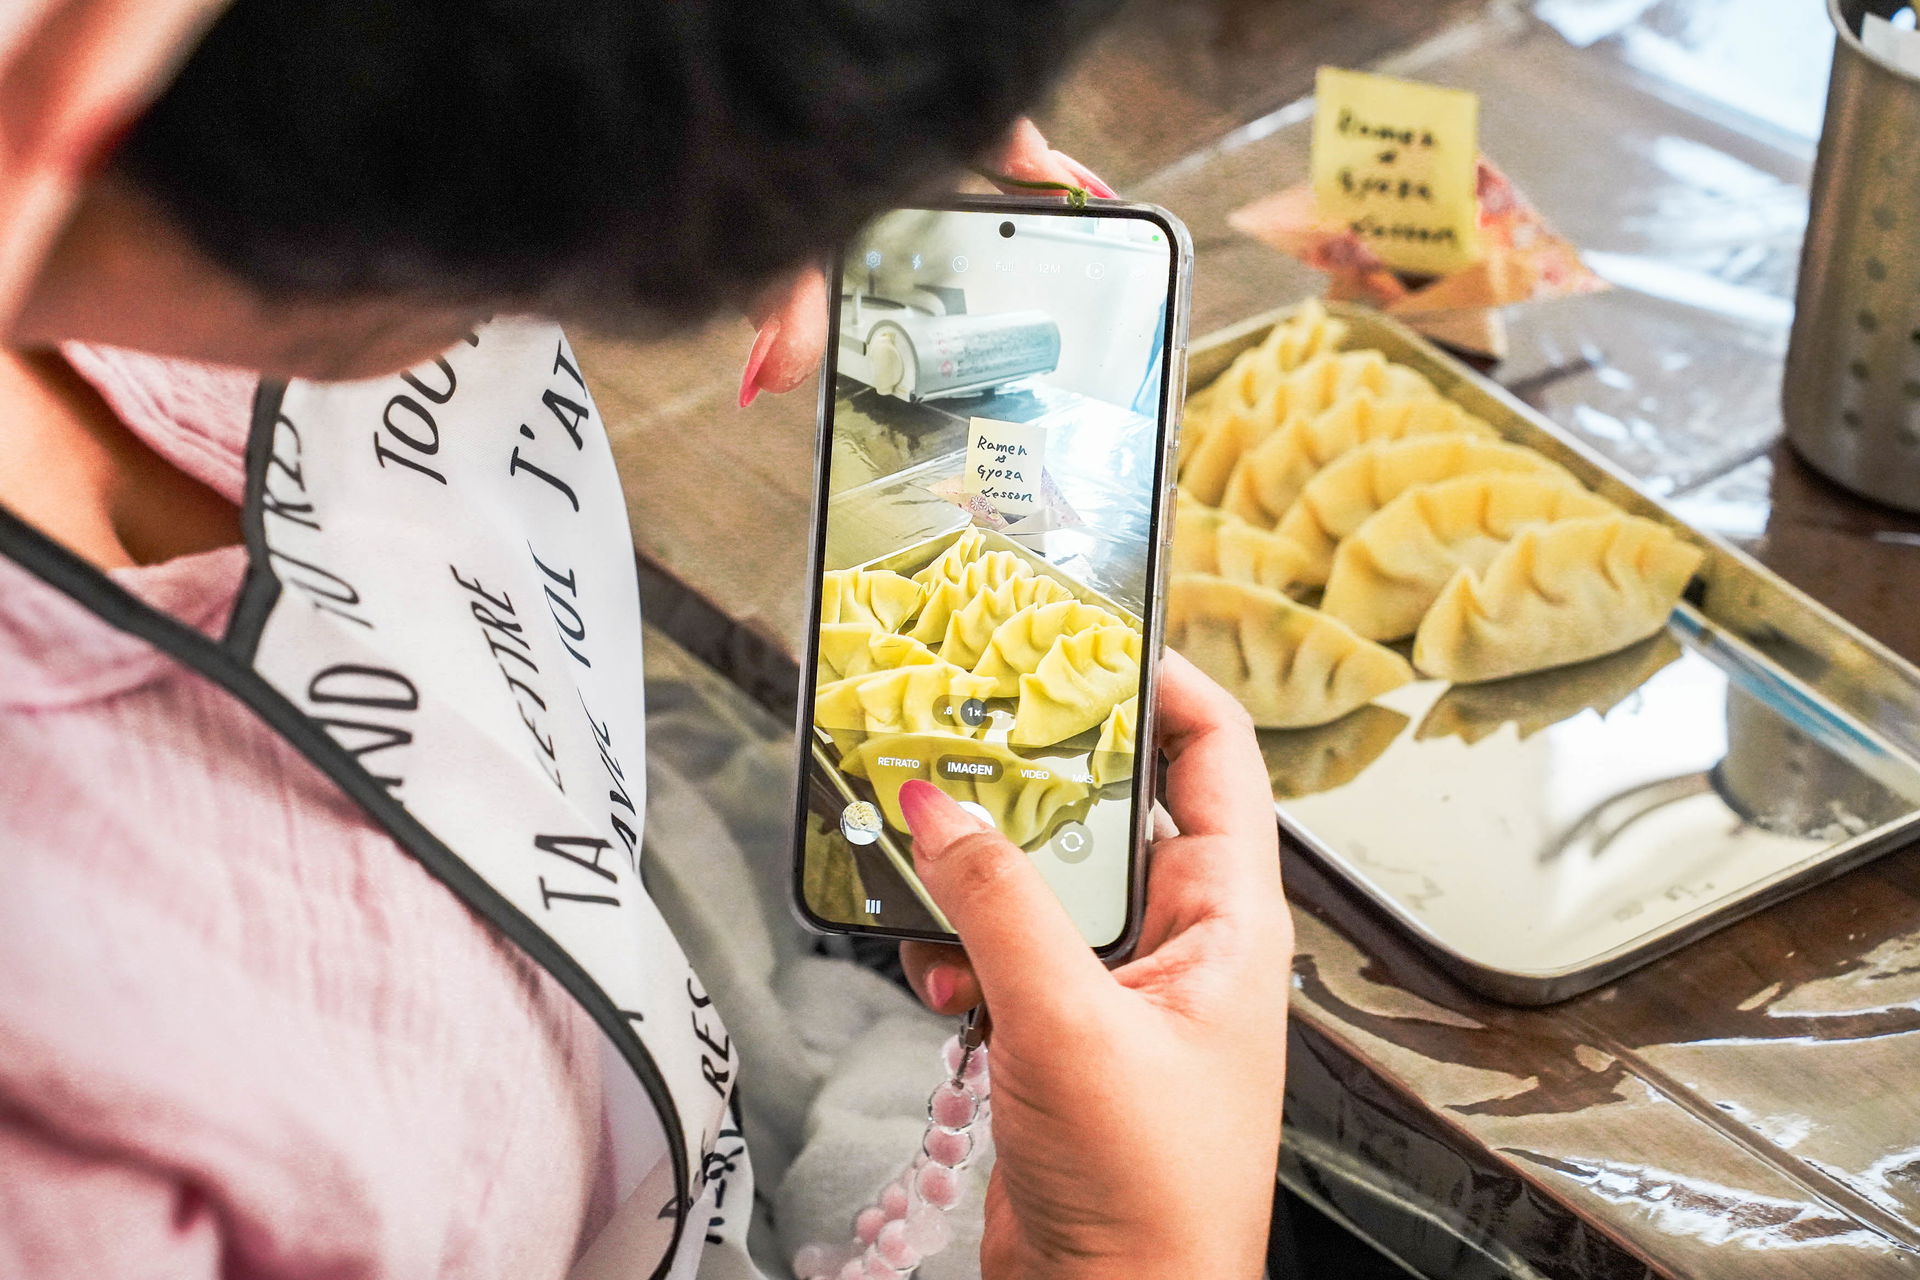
{"points": [[992, 478]]}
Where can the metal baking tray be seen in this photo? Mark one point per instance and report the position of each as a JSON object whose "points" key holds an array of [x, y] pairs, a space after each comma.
{"points": [[1541, 835], [909, 561]]}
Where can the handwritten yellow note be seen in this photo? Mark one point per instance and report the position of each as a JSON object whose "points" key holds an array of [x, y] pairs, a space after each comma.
{"points": [[1004, 464], [1394, 161]]}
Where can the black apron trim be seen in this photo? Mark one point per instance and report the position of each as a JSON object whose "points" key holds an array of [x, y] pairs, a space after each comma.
{"points": [[224, 665], [260, 590]]}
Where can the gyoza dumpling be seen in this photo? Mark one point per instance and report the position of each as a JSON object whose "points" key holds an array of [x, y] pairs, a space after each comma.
{"points": [[875, 596], [1271, 475], [1388, 573], [1019, 643], [980, 575], [1081, 679], [1209, 541], [1290, 666], [1314, 387], [1113, 754], [951, 563], [1348, 490], [918, 699], [1556, 594], [1194, 523], [858, 648], [973, 624], [1027, 798], [1307, 333]]}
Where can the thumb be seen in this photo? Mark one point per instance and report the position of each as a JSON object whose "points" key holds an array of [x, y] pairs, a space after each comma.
{"points": [[1026, 951]]}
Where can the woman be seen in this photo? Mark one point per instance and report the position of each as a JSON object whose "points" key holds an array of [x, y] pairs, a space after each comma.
{"points": [[244, 1031]]}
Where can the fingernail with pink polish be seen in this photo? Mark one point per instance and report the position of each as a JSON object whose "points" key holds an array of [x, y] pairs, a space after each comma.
{"points": [[940, 986], [1094, 184], [762, 344], [935, 820]]}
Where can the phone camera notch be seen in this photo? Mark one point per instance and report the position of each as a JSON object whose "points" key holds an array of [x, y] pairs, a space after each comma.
{"points": [[1006, 231]]}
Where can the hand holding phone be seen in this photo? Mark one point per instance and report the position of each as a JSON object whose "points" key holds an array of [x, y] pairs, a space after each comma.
{"points": [[1137, 1111], [997, 422]]}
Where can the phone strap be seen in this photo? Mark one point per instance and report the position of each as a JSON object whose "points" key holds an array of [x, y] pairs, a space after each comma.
{"points": [[907, 1222]]}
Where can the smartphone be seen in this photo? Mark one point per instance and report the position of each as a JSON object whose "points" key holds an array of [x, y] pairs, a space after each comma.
{"points": [[993, 506]]}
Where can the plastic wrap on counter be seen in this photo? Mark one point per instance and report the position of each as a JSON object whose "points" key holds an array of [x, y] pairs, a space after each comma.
{"points": [[1688, 206], [903, 492], [1704, 1117]]}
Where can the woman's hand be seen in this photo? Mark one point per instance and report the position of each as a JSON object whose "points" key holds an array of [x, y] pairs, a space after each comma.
{"points": [[792, 316], [1136, 1113]]}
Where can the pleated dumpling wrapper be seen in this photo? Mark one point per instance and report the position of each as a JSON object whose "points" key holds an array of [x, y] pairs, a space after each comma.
{"points": [[1390, 571], [1290, 666], [917, 699], [1307, 333], [1314, 387], [1082, 678], [1019, 643], [974, 623], [875, 596], [1210, 541], [1027, 798], [1113, 754], [950, 564], [1348, 490], [977, 577], [1557, 594], [1272, 475], [860, 648]]}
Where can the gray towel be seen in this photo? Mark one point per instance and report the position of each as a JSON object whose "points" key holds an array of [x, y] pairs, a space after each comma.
{"points": [[836, 1061]]}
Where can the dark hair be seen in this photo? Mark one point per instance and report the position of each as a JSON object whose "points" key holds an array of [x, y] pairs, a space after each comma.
{"points": [[611, 159]]}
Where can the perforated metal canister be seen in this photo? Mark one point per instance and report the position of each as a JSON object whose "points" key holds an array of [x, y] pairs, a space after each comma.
{"points": [[1852, 394]]}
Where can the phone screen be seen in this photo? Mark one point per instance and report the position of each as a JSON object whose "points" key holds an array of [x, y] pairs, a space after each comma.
{"points": [[993, 469]]}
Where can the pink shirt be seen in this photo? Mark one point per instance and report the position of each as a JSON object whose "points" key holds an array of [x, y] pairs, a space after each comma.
{"points": [[242, 1034]]}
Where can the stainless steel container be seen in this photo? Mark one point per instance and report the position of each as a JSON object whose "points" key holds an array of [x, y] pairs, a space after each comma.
{"points": [[1852, 394]]}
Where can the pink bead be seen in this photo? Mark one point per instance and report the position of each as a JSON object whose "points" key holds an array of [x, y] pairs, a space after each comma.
{"points": [[939, 1186], [868, 1223], [928, 1230], [893, 1200], [951, 1052], [952, 1106], [948, 1147], [855, 1270], [894, 1248], [878, 1268]]}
